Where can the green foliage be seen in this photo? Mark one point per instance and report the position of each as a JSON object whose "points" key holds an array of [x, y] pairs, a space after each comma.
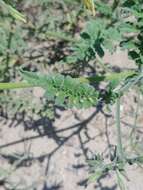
{"points": [[10, 10], [89, 44], [134, 43], [11, 38], [13, 34], [98, 167], [64, 90], [12, 43], [110, 31]]}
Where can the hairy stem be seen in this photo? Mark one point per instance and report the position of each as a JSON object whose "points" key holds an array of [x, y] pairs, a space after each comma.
{"points": [[133, 131], [120, 152], [8, 86]]}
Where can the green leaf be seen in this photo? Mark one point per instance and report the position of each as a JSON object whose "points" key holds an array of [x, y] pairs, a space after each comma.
{"points": [[94, 177], [65, 91], [16, 14], [127, 28], [104, 8], [120, 180]]}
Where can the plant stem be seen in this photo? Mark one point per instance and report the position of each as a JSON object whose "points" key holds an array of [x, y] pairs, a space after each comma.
{"points": [[133, 131], [120, 152], [107, 77], [7, 86], [95, 79]]}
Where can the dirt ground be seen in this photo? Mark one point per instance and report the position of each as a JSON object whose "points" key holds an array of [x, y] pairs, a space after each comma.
{"points": [[51, 155]]}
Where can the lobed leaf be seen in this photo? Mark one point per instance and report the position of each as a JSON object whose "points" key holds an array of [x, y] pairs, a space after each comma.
{"points": [[64, 90]]}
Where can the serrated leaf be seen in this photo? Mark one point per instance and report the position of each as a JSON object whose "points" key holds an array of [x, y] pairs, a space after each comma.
{"points": [[65, 91]]}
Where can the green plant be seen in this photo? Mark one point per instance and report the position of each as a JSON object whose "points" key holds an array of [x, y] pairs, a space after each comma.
{"points": [[11, 41], [79, 89], [10, 10]]}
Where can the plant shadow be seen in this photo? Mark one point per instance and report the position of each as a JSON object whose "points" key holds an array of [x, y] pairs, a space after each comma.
{"points": [[45, 128]]}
